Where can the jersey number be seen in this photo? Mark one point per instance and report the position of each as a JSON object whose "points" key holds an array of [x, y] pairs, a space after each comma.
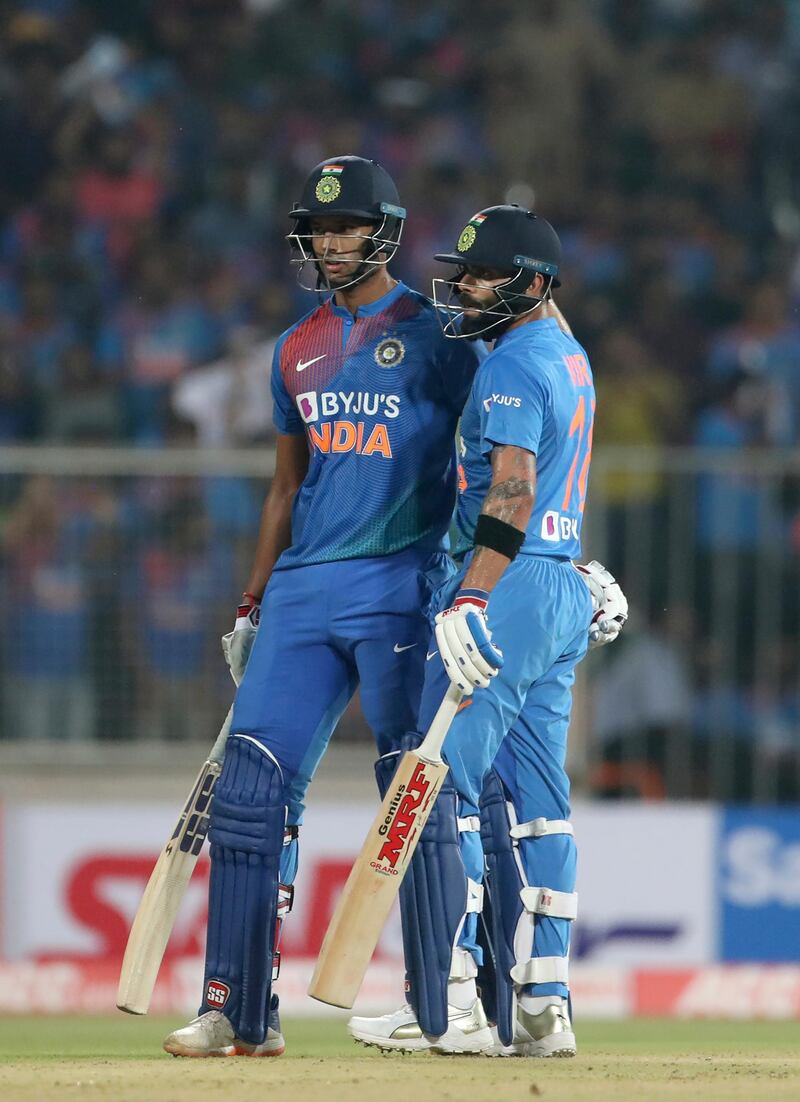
{"points": [[583, 455]]}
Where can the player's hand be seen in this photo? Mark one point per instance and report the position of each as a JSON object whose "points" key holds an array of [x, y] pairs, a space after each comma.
{"points": [[609, 604], [237, 644], [465, 642]]}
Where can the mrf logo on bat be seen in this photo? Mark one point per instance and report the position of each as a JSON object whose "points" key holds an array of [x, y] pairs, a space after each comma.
{"points": [[399, 825]]}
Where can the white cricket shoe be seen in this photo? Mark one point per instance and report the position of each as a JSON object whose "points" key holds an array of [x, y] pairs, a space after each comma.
{"points": [[212, 1035], [467, 1032], [547, 1034]]}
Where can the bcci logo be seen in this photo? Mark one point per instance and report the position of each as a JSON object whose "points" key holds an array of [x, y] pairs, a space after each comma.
{"points": [[390, 353], [470, 232], [467, 239], [217, 994], [329, 186]]}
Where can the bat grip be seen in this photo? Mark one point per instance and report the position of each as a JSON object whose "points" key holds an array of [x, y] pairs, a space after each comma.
{"points": [[431, 747], [218, 749]]}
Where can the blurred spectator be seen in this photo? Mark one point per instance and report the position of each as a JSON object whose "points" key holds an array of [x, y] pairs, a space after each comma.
{"points": [[765, 342], [229, 401], [642, 704], [48, 689], [18, 408], [42, 332], [642, 405], [735, 510], [85, 404], [172, 590], [152, 339], [33, 112], [114, 194]]}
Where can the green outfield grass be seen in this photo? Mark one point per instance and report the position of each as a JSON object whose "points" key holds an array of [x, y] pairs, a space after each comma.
{"points": [[119, 1058]]}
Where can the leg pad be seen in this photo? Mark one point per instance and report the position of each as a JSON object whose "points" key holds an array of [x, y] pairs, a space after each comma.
{"points": [[246, 834]]}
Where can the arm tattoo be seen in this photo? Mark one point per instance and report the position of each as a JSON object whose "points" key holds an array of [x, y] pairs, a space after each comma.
{"points": [[505, 498], [510, 499], [505, 491]]}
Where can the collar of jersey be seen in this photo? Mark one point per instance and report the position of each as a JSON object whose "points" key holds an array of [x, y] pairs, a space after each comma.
{"points": [[371, 308], [528, 329]]}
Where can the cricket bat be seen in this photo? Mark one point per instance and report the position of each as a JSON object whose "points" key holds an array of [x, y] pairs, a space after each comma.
{"points": [[374, 880], [165, 889]]}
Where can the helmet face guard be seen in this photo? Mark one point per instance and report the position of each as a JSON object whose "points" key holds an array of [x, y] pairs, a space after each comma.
{"points": [[511, 302], [378, 248]]}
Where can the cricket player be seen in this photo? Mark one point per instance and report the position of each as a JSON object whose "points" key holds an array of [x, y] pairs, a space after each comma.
{"points": [[526, 435], [367, 394]]}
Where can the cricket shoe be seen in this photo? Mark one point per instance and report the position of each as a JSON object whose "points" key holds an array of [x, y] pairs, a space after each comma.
{"points": [[546, 1034], [467, 1032], [212, 1035]]}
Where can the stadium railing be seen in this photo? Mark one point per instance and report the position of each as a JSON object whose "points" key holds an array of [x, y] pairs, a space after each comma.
{"points": [[119, 568]]}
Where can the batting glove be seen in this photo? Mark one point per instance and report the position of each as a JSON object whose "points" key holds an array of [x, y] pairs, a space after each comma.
{"points": [[465, 642], [237, 644], [609, 604]]}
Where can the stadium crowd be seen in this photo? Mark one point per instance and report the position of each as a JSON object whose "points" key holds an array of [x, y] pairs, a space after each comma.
{"points": [[151, 151]]}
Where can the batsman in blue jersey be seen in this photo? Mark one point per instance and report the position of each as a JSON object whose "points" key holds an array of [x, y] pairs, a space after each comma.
{"points": [[367, 394], [526, 441]]}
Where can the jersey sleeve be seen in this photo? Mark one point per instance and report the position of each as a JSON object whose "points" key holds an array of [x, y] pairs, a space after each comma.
{"points": [[284, 412], [512, 402]]}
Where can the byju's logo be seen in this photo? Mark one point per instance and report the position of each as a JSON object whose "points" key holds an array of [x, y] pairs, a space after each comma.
{"points": [[308, 406], [502, 400], [330, 403], [556, 527]]}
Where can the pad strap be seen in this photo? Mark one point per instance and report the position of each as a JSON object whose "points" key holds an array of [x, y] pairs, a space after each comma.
{"points": [[541, 970], [285, 901], [462, 965], [538, 828], [474, 897], [545, 901], [468, 824]]}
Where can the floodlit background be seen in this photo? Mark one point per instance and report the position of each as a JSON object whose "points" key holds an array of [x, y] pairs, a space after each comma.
{"points": [[149, 153]]}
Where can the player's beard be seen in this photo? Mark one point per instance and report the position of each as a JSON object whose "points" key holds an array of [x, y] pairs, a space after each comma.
{"points": [[480, 326]]}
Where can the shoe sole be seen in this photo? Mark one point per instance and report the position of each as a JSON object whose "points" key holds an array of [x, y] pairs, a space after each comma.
{"points": [[540, 1050], [386, 1044], [232, 1050]]}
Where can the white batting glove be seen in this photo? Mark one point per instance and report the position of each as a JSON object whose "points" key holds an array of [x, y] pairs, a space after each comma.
{"points": [[609, 603], [465, 642], [237, 644]]}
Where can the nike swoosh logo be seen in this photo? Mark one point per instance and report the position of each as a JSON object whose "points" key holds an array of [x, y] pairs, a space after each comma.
{"points": [[302, 366], [399, 650], [428, 657]]}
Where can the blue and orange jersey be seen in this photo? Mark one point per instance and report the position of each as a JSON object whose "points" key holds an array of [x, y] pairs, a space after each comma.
{"points": [[534, 391], [378, 397]]}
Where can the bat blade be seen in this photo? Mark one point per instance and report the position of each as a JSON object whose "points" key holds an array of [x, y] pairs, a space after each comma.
{"points": [[158, 909], [374, 880]]}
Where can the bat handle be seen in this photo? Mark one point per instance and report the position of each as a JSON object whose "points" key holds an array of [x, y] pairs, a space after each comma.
{"points": [[431, 747], [218, 749]]}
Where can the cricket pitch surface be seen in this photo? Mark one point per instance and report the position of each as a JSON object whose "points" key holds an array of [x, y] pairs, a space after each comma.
{"points": [[119, 1058]]}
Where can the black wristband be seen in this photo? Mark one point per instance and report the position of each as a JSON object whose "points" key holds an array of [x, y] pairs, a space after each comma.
{"points": [[498, 536]]}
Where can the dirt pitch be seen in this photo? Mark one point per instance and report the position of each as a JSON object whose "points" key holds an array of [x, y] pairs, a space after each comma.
{"points": [[119, 1060]]}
